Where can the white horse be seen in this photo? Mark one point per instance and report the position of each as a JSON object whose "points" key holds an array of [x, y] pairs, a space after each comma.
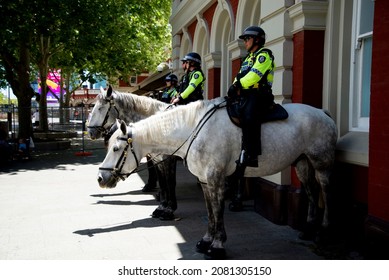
{"points": [[112, 105], [202, 134]]}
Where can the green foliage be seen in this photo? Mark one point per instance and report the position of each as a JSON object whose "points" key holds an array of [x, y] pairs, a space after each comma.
{"points": [[110, 38]]}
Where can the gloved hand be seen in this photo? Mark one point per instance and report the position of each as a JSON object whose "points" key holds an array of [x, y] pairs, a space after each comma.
{"points": [[232, 92]]}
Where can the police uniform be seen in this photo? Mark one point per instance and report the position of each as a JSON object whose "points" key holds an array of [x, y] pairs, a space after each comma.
{"points": [[192, 87], [168, 94], [255, 80]]}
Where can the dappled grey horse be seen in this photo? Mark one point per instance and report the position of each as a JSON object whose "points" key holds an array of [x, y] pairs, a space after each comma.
{"points": [[202, 134], [112, 105]]}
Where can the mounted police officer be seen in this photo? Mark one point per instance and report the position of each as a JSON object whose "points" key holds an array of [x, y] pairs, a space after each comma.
{"points": [[253, 84], [192, 83], [170, 91]]}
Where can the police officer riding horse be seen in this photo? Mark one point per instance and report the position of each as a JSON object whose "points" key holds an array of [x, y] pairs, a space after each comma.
{"points": [[252, 89]]}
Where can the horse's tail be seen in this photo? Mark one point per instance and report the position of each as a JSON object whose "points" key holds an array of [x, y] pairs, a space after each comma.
{"points": [[327, 113]]}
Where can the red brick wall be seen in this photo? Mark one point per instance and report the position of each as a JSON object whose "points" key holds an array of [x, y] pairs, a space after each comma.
{"points": [[192, 28], [378, 191], [140, 78], [234, 6], [308, 50], [213, 83], [208, 15], [123, 83], [235, 68]]}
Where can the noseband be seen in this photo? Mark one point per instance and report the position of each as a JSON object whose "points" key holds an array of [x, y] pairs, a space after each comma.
{"points": [[101, 127], [117, 170]]}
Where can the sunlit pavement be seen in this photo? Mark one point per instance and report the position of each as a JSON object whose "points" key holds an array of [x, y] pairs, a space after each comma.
{"points": [[53, 209]]}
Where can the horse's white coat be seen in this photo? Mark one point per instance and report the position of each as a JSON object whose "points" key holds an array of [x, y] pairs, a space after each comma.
{"points": [[212, 154], [129, 107]]}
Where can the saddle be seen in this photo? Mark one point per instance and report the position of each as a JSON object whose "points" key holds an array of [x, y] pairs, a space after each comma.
{"points": [[276, 112]]}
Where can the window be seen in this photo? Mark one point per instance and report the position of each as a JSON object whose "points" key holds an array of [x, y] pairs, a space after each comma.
{"points": [[361, 65], [133, 80]]}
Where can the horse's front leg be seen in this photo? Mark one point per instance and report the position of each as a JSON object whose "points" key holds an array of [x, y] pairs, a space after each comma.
{"points": [[171, 165], [212, 242], [163, 196]]}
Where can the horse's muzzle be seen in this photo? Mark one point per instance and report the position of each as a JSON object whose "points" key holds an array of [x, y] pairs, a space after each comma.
{"points": [[106, 182], [94, 133]]}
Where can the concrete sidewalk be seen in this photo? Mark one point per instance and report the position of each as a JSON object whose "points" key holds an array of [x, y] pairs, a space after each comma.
{"points": [[53, 209]]}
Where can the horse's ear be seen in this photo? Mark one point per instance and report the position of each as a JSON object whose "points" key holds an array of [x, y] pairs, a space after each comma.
{"points": [[123, 127], [102, 90], [109, 91]]}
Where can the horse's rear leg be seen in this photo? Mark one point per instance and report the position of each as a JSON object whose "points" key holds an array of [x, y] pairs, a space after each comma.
{"points": [[323, 178], [306, 175], [170, 172]]}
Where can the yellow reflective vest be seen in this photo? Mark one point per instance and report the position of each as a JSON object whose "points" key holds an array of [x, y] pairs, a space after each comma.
{"points": [[255, 66]]}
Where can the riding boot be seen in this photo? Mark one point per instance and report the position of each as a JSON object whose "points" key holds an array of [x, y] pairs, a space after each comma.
{"points": [[252, 145]]}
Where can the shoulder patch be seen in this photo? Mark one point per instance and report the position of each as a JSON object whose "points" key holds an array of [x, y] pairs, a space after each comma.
{"points": [[196, 76], [262, 59]]}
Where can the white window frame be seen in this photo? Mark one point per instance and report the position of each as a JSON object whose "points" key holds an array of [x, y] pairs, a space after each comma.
{"points": [[358, 122]]}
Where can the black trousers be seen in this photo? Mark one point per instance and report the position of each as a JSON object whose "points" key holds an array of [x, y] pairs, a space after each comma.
{"points": [[255, 106]]}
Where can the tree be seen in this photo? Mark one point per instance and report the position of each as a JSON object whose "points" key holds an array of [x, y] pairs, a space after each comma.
{"points": [[110, 37]]}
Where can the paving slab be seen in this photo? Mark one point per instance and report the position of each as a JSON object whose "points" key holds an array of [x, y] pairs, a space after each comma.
{"points": [[53, 209]]}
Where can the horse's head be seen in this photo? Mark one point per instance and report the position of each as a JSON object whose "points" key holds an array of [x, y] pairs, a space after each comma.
{"points": [[121, 160], [103, 115]]}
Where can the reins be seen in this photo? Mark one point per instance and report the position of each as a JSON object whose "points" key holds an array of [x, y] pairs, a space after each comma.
{"points": [[200, 125], [116, 171]]}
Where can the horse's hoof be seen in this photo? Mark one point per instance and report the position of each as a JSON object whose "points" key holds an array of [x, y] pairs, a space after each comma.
{"points": [[166, 216], [235, 206], [157, 213], [215, 254], [203, 246]]}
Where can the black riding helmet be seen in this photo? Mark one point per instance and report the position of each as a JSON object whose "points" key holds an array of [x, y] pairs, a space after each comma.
{"points": [[192, 56], [171, 78], [255, 32]]}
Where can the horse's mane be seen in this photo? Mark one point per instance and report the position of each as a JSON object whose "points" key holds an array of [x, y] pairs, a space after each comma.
{"points": [[134, 107], [142, 104], [184, 116]]}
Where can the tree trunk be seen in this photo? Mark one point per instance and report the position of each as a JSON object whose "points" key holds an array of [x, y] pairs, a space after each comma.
{"points": [[17, 73], [43, 70]]}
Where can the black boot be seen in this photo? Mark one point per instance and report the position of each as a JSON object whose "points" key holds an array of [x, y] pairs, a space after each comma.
{"points": [[251, 161]]}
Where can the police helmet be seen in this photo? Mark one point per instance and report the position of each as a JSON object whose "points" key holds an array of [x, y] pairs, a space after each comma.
{"points": [[256, 32], [171, 78], [192, 56]]}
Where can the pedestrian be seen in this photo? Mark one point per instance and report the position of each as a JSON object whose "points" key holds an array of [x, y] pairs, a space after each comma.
{"points": [[5, 148], [36, 118], [253, 85], [192, 84]]}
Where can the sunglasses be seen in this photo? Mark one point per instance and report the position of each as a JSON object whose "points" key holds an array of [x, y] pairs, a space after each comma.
{"points": [[247, 38]]}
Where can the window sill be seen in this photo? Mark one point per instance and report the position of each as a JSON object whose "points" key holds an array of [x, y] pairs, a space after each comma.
{"points": [[353, 148]]}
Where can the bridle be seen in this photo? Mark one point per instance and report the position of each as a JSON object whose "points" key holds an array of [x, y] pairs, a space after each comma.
{"points": [[101, 128], [117, 170]]}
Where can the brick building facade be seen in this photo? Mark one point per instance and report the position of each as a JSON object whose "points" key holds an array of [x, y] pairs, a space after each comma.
{"points": [[325, 58]]}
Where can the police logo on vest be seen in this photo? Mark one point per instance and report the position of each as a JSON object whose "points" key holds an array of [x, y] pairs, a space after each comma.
{"points": [[262, 59], [196, 76]]}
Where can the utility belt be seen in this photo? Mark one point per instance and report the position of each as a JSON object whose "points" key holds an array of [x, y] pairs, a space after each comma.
{"points": [[263, 93], [257, 89]]}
